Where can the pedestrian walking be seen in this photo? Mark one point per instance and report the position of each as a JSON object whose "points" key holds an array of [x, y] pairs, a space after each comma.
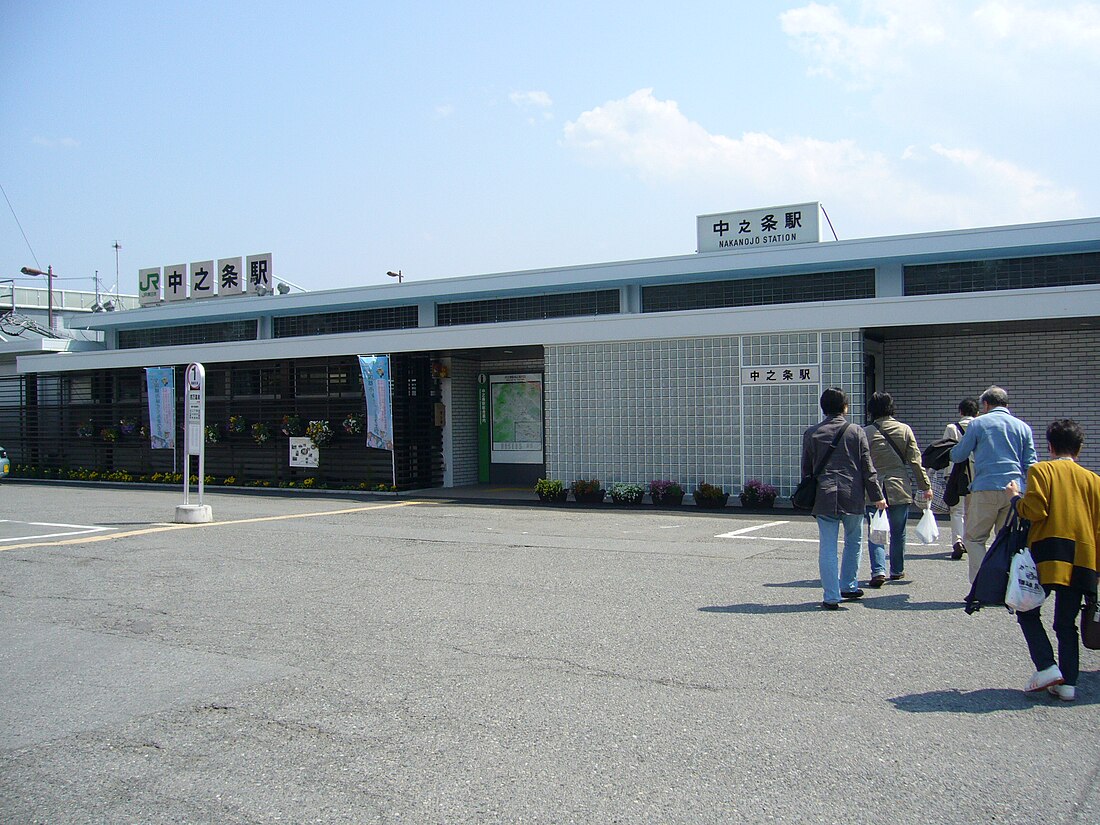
{"points": [[846, 480], [1063, 505], [895, 454], [1003, 449], [968, 409]]}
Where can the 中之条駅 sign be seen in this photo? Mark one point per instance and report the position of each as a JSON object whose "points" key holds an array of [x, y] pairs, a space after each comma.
{"points": [[759, 228], [225, 278]]}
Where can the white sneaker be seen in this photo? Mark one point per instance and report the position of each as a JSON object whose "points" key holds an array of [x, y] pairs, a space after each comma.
{"points": [[1067, 693], [1044, 679]]}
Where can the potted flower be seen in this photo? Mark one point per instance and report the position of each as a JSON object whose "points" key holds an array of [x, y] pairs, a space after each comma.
{"points": [[260, 432], [213, 433], [758, 494], [353, 423], [627, 493], [587, 491], [127, 426], [85, 430], [708, 495], [667, 493], [109, 434], [319, 432], [291, 425], [551, 490], [237, 425]]}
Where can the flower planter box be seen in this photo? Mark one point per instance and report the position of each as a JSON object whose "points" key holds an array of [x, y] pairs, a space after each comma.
{"points": [[668, 501], [712, 503], [590, 498], [556, 498], [756, 505]]}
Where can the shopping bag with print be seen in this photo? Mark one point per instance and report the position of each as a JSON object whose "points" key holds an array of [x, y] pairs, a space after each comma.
{"points": [[880, 527], [1024, 591]]}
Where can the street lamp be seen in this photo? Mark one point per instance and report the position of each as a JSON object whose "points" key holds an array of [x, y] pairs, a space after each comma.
{"points": [[49, 288], [396, 275]]}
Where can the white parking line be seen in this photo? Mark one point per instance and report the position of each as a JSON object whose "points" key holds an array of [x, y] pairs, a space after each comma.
{"points": [[77, 529], [744, 531]]}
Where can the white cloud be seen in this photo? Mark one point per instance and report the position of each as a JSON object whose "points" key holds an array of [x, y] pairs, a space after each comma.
{"points": [[444, 110], [526, 100], [869, 42], [913, 191], [1076, 28], [57, 143], [865, 51]]}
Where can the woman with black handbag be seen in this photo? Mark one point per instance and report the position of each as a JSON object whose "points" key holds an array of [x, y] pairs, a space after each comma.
{"points": [[837, 455], [1063, 505]]}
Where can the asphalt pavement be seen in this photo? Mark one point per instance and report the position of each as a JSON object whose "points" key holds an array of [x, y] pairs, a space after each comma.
{"points": [[449, 659]]}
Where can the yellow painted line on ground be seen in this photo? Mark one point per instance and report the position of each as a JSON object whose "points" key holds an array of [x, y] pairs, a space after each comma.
{"points": [[163, 528]]}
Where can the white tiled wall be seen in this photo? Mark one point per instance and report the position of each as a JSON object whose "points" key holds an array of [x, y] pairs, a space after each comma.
{"points": [[641, 410]]}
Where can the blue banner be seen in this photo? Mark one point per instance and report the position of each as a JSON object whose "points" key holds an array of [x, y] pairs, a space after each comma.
{"points": [[376, 389], [161, 384]]}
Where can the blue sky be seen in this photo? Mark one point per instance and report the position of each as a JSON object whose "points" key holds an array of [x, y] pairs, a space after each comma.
{"points": [[448, 139]]}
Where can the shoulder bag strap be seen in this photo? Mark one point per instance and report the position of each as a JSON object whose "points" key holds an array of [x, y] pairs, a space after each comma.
{"points": [[890, 441], [829, 452]]}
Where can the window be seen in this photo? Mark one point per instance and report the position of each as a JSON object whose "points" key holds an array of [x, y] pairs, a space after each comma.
{"points": [[1007, 273], [777, 289], [191, 334], [529, 308], [334, 323]]}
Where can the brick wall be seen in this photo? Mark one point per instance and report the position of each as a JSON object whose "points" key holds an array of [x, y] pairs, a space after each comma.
{"points": [[1047, 375]]}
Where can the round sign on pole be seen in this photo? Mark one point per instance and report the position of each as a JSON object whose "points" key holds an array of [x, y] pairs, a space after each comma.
{"points": [[195, 413]]}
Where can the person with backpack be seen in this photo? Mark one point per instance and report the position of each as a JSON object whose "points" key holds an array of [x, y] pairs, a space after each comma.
{"points": [[968, 411], [1003, 449], [1063, 505], [895, 453]]}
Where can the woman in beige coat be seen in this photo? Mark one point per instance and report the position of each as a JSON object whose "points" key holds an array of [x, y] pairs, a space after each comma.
{"points": [[893, 450]]}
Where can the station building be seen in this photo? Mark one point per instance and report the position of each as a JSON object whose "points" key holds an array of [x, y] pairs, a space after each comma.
{"points": [[702, 367]]}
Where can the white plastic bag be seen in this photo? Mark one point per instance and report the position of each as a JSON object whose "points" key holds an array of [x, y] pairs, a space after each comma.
{"points": [[927, 530], [880, 527], [1024, 591]]}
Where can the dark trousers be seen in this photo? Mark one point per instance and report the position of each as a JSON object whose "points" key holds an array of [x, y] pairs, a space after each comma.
{"points": [[1067, 604]]}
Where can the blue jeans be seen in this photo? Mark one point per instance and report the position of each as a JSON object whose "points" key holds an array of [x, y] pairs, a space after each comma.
{"points": [[898, 514], [846, 578]]}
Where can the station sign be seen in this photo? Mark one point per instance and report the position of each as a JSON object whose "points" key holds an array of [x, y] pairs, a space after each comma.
{"points": [[758, 229], [224, 278]]}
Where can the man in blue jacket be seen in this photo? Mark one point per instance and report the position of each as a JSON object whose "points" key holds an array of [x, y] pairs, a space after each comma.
{"points": [[1003, 449]]}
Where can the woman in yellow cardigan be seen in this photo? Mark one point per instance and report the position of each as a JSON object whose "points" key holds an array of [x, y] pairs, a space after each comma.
{"points": [[1063, 505]]}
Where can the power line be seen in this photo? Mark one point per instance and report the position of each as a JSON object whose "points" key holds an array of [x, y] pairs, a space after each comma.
{"points": [[17, 223]]}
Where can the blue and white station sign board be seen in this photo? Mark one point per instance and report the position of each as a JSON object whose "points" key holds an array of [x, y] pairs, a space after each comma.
{"points": [[759, 228]]}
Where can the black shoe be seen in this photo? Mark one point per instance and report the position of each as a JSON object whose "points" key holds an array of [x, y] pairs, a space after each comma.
{"points": [[851, 595], [877, 581], [958, 551], [896, 577], [830, 606]]}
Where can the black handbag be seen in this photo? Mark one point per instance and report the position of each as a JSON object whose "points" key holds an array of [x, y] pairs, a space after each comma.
{"points": [[805, 494], [992, 580], [958, 484], [1090, 626]]}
